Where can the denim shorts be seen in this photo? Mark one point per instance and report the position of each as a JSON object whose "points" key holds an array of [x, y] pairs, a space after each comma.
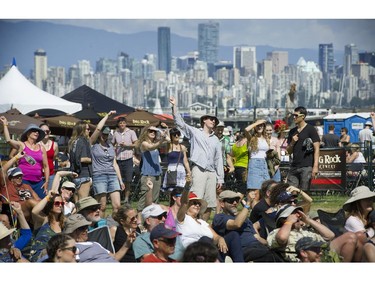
{"points": [[79, 181], [257, 173], [105, 183]]}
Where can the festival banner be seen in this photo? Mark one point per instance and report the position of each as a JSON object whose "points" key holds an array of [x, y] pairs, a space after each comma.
{"points": [[332, 170]]}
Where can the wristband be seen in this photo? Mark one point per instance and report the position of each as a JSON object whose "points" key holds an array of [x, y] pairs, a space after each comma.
{"points": [[246, 206], [288, 222]]}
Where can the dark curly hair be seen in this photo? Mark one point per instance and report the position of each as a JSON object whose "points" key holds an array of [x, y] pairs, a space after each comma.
{"points": [[275, 192]]}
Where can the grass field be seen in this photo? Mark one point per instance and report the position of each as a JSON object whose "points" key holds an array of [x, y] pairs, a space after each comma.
{"points": [[329, 203]]}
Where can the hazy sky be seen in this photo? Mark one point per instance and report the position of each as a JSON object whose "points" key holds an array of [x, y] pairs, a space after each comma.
{"points": [[287, 23]]}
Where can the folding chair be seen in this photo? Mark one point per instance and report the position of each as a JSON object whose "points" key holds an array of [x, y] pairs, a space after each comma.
{"points": [[103, 237], [334, 221], [353, 175]]}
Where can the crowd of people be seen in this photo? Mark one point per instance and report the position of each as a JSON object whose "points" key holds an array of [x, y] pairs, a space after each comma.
{"points": [[50, 214]]}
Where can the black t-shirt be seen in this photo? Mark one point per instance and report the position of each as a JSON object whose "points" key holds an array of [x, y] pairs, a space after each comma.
{"points": [[120, 239], [259, 208], [301, 156], [330, 140]]}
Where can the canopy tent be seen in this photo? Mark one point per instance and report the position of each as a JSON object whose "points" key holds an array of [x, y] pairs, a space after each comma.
{"points": [[18, 92], [17, 122], [89, 98], [142, 118]]}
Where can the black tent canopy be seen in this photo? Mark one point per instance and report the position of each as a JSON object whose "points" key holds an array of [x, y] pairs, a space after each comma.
{"points": [[89, 98]]}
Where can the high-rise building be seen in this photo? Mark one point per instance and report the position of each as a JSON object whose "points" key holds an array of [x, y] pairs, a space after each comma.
{"points": [[279, 61], [164, 49], [244, 59], [350, 57], [40, 68], [326, 64], [368, 57], [208, 44]]}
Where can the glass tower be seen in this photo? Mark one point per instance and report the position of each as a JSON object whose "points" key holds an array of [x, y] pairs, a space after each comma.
{"points": [[164, 49]]}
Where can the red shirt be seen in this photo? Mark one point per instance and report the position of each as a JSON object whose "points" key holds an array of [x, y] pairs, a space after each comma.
{"points": [[153, 258], [15, 193]]}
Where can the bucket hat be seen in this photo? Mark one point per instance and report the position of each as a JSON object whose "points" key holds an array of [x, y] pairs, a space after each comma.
{"points": [[30, 127], [358, 193], [209, 116], [85, 203], [75, 221], [285, 212]]}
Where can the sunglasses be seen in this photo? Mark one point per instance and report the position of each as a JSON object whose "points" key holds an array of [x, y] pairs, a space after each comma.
{"points": [[152, 131], [34, 131], [17, 177], [168, 241], [232, 200], [93, 208], [133, 219], [160, 217], [211, 118], [195, 203], [73, 249], [58, 204], [294, 201], [176, 135], [298, 115], [87, 129], [47, 131]]}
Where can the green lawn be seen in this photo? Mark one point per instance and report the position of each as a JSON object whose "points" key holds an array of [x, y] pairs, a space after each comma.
{"points": [[329, 203]]}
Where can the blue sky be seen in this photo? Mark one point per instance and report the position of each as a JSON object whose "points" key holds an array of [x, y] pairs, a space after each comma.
{"points": [[288, 23]]}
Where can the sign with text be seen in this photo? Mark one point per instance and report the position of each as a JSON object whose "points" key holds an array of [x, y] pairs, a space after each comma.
{"points": [[332, 170]]}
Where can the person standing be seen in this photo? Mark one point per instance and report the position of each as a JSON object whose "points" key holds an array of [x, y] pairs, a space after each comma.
{"points": [[303, 143], [258, 145], [225, 148], [52, 150], [331, 140], [205, 155], [149, 143], [34, 164], [240, 154], [124, 141]]}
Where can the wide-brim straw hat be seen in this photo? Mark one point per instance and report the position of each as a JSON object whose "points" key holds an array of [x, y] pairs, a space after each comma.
{"points": [[358, 193], [193, 196], [4, 231]]}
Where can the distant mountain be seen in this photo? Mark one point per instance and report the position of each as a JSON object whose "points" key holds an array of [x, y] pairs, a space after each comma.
{"points": [[66, 44]]}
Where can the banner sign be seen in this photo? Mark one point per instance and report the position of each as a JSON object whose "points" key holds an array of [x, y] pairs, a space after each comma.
{"points": [[332, 170]]}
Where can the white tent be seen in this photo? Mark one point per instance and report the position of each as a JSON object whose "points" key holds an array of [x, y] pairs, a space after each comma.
{"points": [[18, 92]]}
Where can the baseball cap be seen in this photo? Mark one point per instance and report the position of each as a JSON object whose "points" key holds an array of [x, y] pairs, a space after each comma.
{"points": [[106, 131], [13, 172], [152, 210], [160, 231]]}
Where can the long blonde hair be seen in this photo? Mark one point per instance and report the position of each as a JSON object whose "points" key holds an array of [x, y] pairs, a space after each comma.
{"points": [[79, 130], [144, 137], [252, 138]]}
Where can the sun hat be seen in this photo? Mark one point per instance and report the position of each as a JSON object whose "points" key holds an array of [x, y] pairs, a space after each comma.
{"points": [[368, 123], [4, 231], [68, 184], [358, 193], [211, 116], [230, 129], [285, 212], [221, 124], [226, 132], [193, 196], [13, 172], [229, 194], [42, 134], [85, 203], [160, 231], [306, 243], [152, 210], [75, 221]]}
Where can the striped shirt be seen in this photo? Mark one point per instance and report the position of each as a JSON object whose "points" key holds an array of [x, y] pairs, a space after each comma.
{"points": [[128, 137]]}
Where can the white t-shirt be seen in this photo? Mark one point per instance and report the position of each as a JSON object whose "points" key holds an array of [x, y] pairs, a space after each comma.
{"points": [[192, 231]]}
